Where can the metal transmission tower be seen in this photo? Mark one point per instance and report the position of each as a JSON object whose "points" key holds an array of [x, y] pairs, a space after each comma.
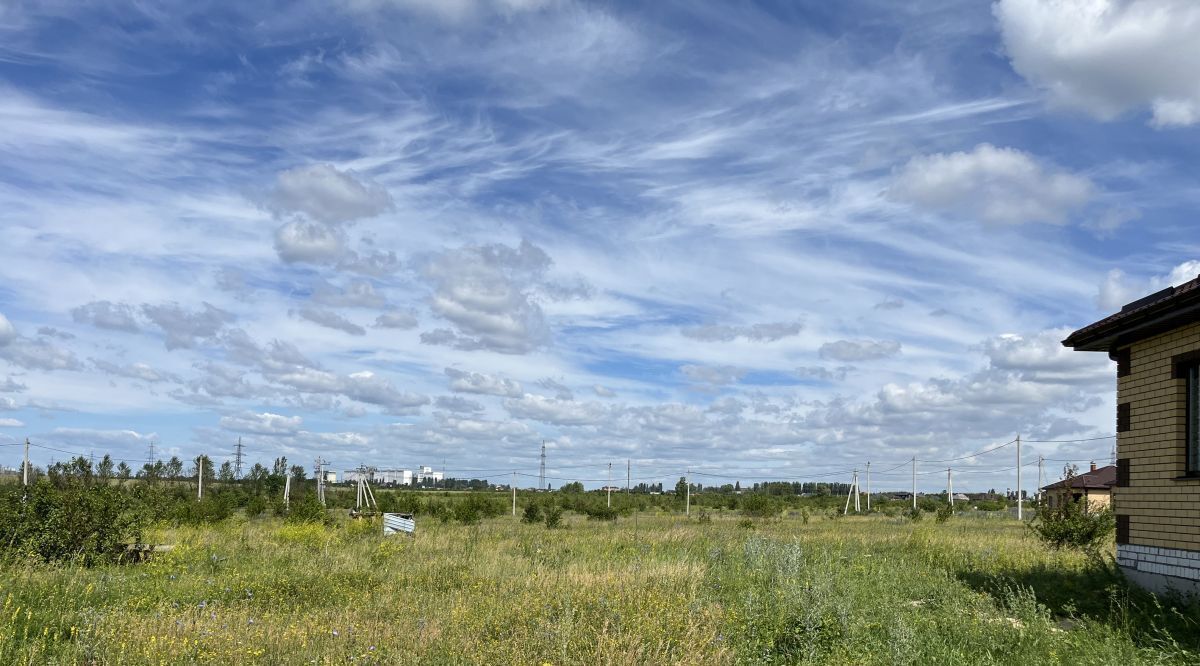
{"points": [[237, 460], [542, 469], [150, 455]]}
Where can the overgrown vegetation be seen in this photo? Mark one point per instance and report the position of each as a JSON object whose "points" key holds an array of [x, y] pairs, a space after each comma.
{"points": [[1075, 524]]}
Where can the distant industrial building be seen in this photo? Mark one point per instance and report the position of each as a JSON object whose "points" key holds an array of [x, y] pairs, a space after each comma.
{"points": [[427, 474]]}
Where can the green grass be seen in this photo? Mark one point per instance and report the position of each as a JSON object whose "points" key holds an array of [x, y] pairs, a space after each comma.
{"points": [[666, 590]]}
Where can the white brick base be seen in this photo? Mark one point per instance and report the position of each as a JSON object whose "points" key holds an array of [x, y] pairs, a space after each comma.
{"points": [[1161, 569]]}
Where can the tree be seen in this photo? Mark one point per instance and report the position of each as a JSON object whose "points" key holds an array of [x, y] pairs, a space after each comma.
{"points": [[209, 472], [573, 487], [226, 473], [174, 468], [280, 468], [124, 471], [298, 472], [681, 488], [105, 469]]}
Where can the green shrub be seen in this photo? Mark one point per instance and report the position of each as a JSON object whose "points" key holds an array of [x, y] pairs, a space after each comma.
{"points": [[307, 509], [704, 518], [256, 506], [746, 524], [70, 519], [914, 514], [759, 506], [553, 515], [467, 513], [1074, 525], [944, 513], [533, 514], [210, 510], [601, 512]]}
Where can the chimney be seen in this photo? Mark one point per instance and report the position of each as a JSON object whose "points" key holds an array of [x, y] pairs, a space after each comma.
{"points": [[1093, 466]]}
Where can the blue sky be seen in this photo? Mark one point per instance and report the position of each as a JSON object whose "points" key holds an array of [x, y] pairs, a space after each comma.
{"points": [[753, 239]]}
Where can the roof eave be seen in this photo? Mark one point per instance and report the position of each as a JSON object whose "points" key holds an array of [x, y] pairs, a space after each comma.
{"points": [[1171, 314]]}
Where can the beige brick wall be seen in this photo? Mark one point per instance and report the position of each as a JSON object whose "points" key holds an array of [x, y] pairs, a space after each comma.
{"points": [[1164, 510]]}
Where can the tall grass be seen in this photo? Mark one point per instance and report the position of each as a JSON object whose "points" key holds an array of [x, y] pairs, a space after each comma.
{"points": [[849, 591]]}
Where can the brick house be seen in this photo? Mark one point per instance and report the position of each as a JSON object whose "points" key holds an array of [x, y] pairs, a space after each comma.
{"points": [[1155, 342], [1094, 486]]}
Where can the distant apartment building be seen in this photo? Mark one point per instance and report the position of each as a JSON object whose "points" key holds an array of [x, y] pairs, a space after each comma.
{"points": [[1155, 342], [427, 474]]}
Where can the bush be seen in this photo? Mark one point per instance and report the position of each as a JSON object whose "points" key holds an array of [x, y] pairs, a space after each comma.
{"points": [[759, 506], [70, 519], [256, 506], [944, 513], [467, 513], [553, 514], [307, 509], [914, 514], [746, 524], [533, 514], [1074, 525], [212, 509], [601, 512], [704, 518]]}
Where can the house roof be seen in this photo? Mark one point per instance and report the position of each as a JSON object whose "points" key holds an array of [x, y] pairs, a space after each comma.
{"points": [[1159, 312], [1101, 479]]}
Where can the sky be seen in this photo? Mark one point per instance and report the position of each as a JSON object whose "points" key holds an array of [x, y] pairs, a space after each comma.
{"points": [[749, 239]]}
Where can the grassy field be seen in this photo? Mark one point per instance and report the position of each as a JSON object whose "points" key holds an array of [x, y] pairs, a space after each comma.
{"points": [[661, 589]]}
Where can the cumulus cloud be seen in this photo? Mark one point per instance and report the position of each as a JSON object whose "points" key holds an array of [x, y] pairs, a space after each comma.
{"points": [[38, 354], [486, 292], [140, 371], [994, 185], [456, 403], [357, 294], [1118, 289], [1042, 358], [308, 242], [330, 319], [11, 423], [850, 351], [183, 327], [603, 391], [400, 319], [483, 384], [1106, 57], [824, 374], [106, 314], [265, 423], [7, 332], [557, 412], [324, 194], [367, 387], [716, 375], [766, 332]]}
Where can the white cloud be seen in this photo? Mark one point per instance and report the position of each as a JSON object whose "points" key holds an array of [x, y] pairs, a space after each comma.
{"points": [[455, 403], [558, 412], [766, 332], [38, 355], [8, 404], [604, 391], [330, 319], [11, 423], [1109, 56], [400, 319], [1119, 289], [264, 423], [483, 384], [1042, 358], [357, 294], [485, 291], [324, 194], [7, 332], [995, 185], [366, 386], [308, 242], [716, 375], [138, 370], [850, 351], [105, 314], [183, 327]]}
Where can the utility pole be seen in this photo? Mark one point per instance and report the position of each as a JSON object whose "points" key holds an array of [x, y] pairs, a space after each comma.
{"points": [[857, 494], [514, 494], [914, 483], [949, 488], [1020, 501], [853, 493], [318, 465], [287, 491], [687, 510], [542, 469], [608, 488], [237, 459], [200, 477], [1041, 463], [868, 486], [628, 475], [25, 468]]}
